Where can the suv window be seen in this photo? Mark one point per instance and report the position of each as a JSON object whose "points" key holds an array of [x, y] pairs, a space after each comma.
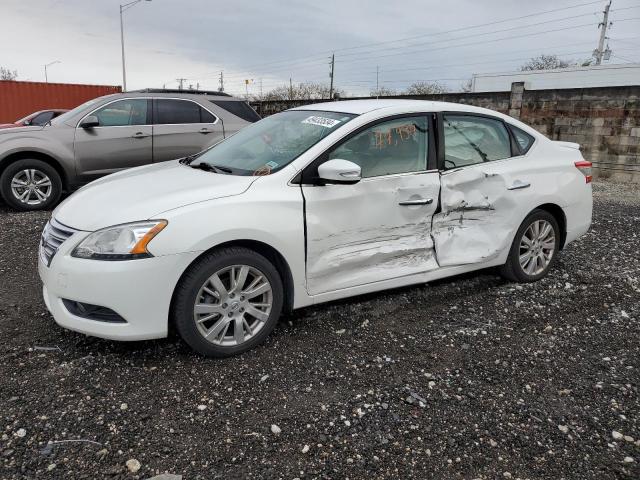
{"points": [[240, 109], [130, 111], [473, 139], [523, 139], [387, 148], [169, 111]]}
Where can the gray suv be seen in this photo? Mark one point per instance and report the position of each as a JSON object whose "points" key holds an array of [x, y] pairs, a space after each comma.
{"points": [[112, 133]]}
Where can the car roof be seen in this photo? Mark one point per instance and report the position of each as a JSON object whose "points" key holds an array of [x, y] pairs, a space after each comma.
{"points": [[177, 94], [400, 106], [359, 107]]}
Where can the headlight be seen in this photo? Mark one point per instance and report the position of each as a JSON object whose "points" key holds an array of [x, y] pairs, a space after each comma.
{"points": [[121, 242]]}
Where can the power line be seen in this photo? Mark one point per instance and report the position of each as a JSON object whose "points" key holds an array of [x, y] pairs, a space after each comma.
{"points": [[307, 58], [406, 52]]}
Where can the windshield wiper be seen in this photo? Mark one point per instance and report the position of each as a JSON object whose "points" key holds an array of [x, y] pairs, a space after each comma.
{"points": [[188, 159], [209, 168], [224, 169]]}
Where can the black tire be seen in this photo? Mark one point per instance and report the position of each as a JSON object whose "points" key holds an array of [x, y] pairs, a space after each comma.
{"points": [[42, 169], [195, 277], [512, 270]]}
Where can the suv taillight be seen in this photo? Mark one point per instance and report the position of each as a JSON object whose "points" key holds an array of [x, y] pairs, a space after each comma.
{"points": [[585, 168]]}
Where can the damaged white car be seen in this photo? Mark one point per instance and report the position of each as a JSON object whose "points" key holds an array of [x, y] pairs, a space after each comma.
{"points": [[310, 205]]}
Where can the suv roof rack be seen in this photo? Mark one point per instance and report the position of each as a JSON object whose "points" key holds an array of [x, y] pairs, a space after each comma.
{"points": [[176, 90]]}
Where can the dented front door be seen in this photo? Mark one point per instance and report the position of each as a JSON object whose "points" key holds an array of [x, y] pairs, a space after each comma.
{"points": [[375, 230]]}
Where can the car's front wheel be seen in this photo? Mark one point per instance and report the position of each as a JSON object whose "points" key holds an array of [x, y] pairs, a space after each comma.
{"points": [[228, 302], [30, 184], [534, 249]]}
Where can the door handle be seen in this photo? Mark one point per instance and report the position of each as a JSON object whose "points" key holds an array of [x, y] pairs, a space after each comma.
{"points": [[139, 135], [519, 184], [419, 201], [204, 131]]}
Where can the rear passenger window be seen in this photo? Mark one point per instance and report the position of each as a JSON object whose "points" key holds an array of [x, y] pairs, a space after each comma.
{"points": [[181, 111], [523, 139], [206, 116], [469, 140], [238, 108]]}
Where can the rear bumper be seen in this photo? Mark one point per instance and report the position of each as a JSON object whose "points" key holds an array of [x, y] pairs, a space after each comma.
{"points": [[139, 291]]}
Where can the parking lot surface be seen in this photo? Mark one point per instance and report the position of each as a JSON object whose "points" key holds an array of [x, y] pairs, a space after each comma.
{"points": [[469, 377]]}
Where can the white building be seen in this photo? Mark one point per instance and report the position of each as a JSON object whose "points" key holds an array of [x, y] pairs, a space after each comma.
{"points": [[571, 77]]}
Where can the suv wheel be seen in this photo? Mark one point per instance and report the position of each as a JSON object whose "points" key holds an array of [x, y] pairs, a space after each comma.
{"points": [[228, 302], [534, 249], [30, 184]]}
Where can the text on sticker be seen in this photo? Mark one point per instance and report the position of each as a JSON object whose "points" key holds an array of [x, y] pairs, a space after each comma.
{"points": [[321, 121]]}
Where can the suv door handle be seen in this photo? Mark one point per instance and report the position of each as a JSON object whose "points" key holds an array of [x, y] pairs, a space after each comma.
{"points": [[519, 184], [140, 135], [419, 201], [204, 130]]}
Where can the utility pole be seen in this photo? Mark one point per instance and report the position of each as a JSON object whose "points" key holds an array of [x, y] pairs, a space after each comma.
{"points": [[180, 82], [46, 77], [124, 7], [333, 64], [260, 89], [377, 82], [600, 51], [221, 89], [290, 89]]}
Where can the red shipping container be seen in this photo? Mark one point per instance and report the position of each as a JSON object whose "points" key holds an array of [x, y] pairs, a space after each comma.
{"points": [[19, 99]]}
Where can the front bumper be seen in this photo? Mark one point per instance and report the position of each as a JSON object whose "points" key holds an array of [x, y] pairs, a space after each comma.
{"points": [[138, 290]]}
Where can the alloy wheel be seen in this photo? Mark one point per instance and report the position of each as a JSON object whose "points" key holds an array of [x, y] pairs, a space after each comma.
{"points": [[31, 186], [537, 247], [233, 305]]}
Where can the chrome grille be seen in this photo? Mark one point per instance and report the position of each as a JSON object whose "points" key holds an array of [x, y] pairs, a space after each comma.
{"points": [[53, 235]]}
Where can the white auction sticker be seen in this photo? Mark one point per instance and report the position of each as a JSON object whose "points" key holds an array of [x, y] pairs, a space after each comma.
{"points": [[321, 121]]}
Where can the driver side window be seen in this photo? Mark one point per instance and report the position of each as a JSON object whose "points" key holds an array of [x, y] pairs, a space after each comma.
{"points": [[387, 148], [469, 140], [132, 111]]}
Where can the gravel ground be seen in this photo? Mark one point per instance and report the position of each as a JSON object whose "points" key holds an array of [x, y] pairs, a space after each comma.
{"points": [[469, 377]]}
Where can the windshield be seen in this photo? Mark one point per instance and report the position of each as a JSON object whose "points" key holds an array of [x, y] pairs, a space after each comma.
{"points": [[271, 144], [78, 109]]}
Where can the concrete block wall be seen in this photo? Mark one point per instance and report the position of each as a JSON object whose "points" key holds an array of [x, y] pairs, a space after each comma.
{"points": [[605, 121]]}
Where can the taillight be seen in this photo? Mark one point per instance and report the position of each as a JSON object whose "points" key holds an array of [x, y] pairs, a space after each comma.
{"points": [[585, 168]]}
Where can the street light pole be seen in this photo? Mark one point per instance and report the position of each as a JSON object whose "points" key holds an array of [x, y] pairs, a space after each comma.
{"points": [[124, 68], [46, 78]]}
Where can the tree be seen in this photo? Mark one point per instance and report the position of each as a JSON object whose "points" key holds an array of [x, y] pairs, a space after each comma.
{"points": [[546, 62], [425, 88], [6, 74], [382, 92], [301, 91]]}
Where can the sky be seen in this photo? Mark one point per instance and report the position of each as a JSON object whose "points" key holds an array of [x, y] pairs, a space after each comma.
{"points": [[268, 42]]}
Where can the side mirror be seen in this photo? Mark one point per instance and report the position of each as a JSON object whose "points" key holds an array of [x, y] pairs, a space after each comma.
{"points": [[340, 172], [90, 122], [26, 123]]}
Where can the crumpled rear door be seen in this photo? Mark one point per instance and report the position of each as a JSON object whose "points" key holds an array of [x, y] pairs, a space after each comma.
{"points": [[478, 214]]}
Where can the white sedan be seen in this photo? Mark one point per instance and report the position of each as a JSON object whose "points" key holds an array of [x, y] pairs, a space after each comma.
{"points": [[314, 204]]}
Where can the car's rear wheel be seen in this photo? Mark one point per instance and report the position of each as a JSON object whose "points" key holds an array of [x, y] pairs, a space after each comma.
{"points": [[534, 249], [30, 184], [228, 302]]}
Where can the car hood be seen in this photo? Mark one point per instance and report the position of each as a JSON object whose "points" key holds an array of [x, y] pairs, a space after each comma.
{"points": [[144, 192]]}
